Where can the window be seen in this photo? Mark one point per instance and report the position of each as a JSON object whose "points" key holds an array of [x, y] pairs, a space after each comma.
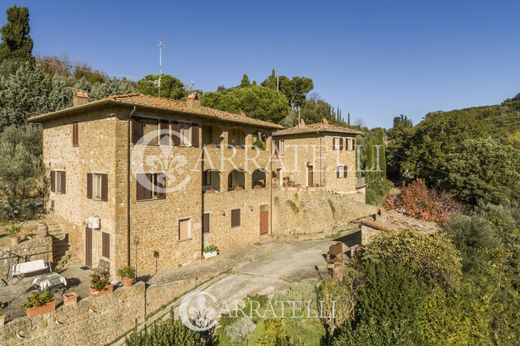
{"points": [[75, 134], [151, 186], [235, 218], [151, 132], [105, 242], [211, 180], [258, 179], [341, 172], [237, 138], [206, 222], [279, 147], [184, 229], [337, 143], [236, 180], [184, 133], [97, 186], [58, 181]]}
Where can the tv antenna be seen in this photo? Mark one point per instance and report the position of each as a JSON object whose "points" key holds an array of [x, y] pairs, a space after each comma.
{"points": [[161, 45]]}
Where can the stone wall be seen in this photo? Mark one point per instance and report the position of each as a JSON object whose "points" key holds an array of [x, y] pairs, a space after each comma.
{"points": [[313, 214], [28, 250], [98, 321]]}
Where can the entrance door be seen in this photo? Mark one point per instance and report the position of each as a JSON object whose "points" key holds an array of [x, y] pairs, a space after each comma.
{"points": [[310, 176], [88, 247], [264, 219]]}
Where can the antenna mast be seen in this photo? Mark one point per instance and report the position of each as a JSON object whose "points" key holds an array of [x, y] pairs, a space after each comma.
{"points": [[161, 44]]}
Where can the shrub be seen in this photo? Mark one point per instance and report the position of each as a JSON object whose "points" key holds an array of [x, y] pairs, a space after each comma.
{"points": [[416, 200], [274, 334], [126, 272], [13, 231], [238, 331], [166, 333], [99, 281], [211, 248], [432, 258], [38, 298]]}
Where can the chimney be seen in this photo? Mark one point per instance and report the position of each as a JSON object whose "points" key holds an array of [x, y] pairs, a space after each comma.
{"points": [[193, 100], [302, 123], [79, 98], [324, 121]]}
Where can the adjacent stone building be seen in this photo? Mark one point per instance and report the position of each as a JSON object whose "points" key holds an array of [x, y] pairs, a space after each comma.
{"points": [[151, 182]]}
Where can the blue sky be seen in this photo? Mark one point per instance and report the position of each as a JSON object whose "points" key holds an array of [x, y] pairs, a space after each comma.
{"points": [[375, 59]]}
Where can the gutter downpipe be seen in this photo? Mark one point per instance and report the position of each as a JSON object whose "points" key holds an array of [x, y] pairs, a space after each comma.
{"points": [[128, 168]]}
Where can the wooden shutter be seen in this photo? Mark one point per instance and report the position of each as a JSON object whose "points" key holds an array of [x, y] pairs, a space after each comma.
{"points": [[141, 191], [235, 217], [89, 185], [53, 181], [194, 135], [353, 144], [161, 183], [175, 134], [105, 245], [335, 143], [184, 229], [340, 143], [338, 169], [164, 138], [63, 182], [205, 222], [104, 187], [137, 131], [75, 135], [345, 171]]}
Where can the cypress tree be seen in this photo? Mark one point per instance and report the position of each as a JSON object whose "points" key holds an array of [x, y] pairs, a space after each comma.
{"points": [[16, 44], [245, 81]]}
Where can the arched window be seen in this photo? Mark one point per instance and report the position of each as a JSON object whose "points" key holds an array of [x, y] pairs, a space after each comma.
{"points": [[258, 179], [236, 180], [211, 180]]}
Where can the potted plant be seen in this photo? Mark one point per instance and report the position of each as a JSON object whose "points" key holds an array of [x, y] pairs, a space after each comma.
{"points": [[100, 285], [127, 275], [39, 302], [13, 234], [210, 251], [70, 298]]}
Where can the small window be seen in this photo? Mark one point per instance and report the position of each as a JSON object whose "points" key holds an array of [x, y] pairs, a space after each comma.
{"points": [[75, 134], [184, 229], [97, 186], [341, 172], [58, 181], [235, 218], [97, 183], [105, 248], [151, 186], [336, 143]]}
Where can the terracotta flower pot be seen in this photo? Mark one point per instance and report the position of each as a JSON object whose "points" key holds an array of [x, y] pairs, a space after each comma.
{"points": [[94, 292], [14, 240], [70, 298], [39, 310], [127, 282]]}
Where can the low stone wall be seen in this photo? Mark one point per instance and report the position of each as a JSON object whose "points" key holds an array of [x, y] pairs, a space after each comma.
{"points": [[315, 214], [98, 321], [28, 250]]}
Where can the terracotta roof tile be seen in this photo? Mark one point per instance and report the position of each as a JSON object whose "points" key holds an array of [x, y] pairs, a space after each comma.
{"points": [[162, 104], [314, 128]]}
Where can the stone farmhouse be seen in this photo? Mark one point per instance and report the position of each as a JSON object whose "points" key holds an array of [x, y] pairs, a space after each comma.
{"points": [[149, 182]]}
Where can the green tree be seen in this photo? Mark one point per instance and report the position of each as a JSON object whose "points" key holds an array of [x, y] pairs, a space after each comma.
{"points": [[171, 87], [244, 83], [112, 86], [399, 137], [256, 101], [17, 44], [295, 89], [483, 170], [21, 173]]}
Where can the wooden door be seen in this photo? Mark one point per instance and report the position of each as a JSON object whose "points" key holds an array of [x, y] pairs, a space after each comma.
{"points": [[88, 247], [264, 219], [310, 176]]}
